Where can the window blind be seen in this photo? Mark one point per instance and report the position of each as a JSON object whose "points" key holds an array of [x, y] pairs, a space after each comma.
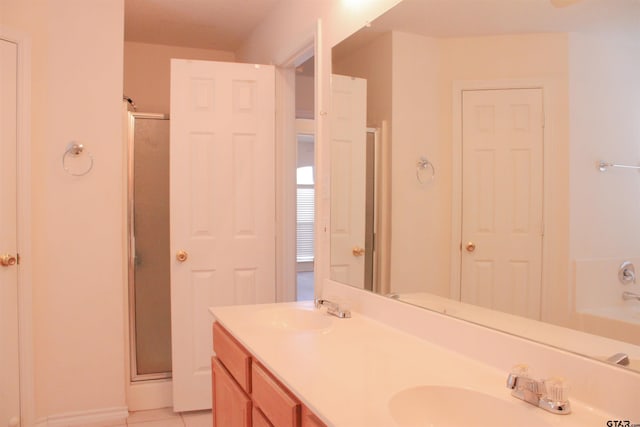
{"points": [[305, 220]]}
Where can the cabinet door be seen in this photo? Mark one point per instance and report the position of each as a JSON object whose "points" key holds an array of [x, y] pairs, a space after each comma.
{"points": [[259, 420], [309, 419], [233, 356], [274, 400], [231, 406]]}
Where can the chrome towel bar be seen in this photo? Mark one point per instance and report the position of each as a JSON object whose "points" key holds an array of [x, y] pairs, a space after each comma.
{"points": [[604, 166]]}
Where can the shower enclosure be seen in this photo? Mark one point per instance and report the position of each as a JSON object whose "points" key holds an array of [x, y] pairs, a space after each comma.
{"points": [[149, 271]]}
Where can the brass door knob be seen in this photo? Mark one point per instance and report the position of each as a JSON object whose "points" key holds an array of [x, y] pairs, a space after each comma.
{"points": [[7, 260], [182, 256], [357, 251], [470, 247]]}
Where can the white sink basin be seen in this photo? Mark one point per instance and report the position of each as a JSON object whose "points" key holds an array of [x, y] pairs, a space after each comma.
{"points": [[294, 319], [441, 406]]}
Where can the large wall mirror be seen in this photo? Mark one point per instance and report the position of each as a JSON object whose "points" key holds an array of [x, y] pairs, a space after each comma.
{"points": [[466, 177]]}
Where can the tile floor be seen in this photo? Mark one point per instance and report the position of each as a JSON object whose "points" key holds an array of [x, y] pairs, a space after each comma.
{"points": [[163, 418]]}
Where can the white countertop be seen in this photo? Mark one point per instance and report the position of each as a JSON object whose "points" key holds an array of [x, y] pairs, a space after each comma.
{"points": [[348, 372]]}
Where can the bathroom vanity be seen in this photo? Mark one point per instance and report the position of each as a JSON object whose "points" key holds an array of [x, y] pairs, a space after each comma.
{"points": [[245, 393], [296, 362]]}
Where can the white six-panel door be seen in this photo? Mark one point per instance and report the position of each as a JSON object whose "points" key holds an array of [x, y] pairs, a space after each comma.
{"points": [[502, 180], [222, 207], [9, 355], [348, 178]]}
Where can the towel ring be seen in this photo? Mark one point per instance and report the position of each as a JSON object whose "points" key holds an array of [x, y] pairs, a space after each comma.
{"points": [[74, 150], [421, 166]]}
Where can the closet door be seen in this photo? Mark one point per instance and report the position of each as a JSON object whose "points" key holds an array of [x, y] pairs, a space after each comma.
{"points": [[9, 362], [222, 207], [502, 179]]}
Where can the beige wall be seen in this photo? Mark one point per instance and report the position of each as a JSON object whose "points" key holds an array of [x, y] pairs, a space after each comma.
{"points": [[147, 72], [371, 62], [78, 292], [420, 213], [304, 97], [605, 125], [605, 206]]}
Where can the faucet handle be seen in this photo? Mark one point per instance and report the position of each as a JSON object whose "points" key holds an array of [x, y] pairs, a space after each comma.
{"points": [[517, 371], [557, 389]]}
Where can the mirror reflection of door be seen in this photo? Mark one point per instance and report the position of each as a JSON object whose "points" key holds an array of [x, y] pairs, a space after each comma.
{"points": [[502, 179], [348, 179]]}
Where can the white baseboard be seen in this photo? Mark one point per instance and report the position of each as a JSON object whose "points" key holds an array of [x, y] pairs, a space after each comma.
{"points": [[96, 417], [145, 395]]}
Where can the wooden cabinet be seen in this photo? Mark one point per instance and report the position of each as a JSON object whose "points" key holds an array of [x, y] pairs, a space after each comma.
{"points": [[233, 356], [231, 406], [273, 399], [246, 394], [259, 419], [309, 419]]}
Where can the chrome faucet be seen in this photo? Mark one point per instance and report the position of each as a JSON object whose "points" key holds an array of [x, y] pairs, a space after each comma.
{"points": [[549, 395], [619, 359], [332, 308]]}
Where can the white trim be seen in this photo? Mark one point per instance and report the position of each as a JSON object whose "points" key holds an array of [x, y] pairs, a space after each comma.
{"points": [[25, 288], [145, 395], [84, 418], [285, 159], [456, 179], [322, 165], [286, 164]]}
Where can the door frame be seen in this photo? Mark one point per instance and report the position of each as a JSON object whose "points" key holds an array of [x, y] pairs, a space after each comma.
{"points": [[23, 207], [456, 177], [287, 159], [132, 374]]}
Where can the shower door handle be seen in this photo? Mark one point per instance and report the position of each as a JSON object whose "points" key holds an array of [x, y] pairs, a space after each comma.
{"points": [[182, 256]]}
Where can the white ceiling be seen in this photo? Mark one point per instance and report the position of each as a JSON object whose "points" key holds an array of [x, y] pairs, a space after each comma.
{"points": [[206, 24], [466, 18], [225, 24]]}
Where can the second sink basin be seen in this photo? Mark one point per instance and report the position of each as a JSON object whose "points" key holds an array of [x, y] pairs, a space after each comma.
{"points": [[442, 406], [294, 319]]}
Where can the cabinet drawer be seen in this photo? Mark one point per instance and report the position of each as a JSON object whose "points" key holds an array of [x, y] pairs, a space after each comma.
{"points": [[259, 420], [231, 406], [273, 400], [233, 356]]}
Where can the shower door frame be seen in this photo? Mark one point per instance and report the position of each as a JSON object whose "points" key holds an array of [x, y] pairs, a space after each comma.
{"points": [[134, 377]]}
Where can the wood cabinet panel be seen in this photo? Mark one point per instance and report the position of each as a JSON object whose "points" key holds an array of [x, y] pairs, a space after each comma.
{"points": [[246, 394], [273, 399], [231, 406], [233, 356], [309, 419], [259, 420]]}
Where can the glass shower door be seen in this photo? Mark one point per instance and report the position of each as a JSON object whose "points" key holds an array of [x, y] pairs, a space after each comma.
{"points": [[149, 270]]}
